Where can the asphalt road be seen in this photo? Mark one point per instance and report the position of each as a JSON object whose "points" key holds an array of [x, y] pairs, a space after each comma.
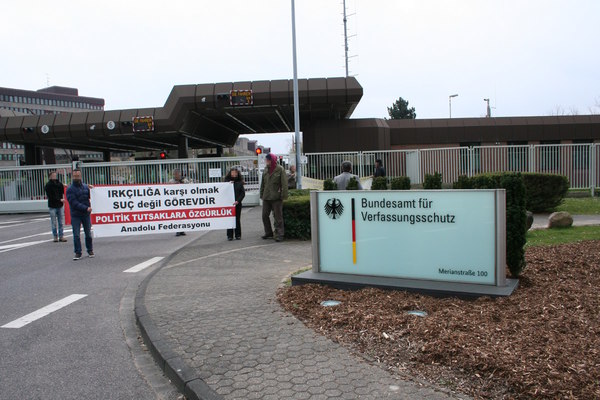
{"points": [[67, 328]]}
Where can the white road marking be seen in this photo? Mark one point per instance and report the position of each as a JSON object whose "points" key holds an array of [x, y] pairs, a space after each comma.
{"points": [[42, 312], [12, 224], [143, 265], [66, 232], [16, 246], [18, 221]]}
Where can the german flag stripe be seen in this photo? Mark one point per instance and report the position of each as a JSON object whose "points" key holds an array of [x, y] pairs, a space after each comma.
{"points": [[353, 235]]}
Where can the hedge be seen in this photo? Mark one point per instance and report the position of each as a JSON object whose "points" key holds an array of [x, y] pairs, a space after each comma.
{"points": [[296, 217], [401, 183], [352, 184], [329, 184], [544, 192], [432, 181], [379, 183], [516, 217]]}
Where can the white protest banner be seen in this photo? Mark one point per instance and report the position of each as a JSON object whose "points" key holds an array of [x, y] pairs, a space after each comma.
{"points": [[146, 209]]}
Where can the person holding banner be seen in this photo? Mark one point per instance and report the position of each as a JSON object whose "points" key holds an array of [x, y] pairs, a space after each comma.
{"points": [[273, 191], [178, 178], [238, 187], [78, 196]]}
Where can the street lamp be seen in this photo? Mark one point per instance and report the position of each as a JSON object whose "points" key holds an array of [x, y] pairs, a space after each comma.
{"points": [[488, 110], [450, 102]]}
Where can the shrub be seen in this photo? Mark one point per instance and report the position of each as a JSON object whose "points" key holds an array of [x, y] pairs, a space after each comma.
{"points": [[433, 181], [401, 183], [463, 182], [516, 217], [379, 183], [544, 192], [296, 216], [352, 184], [329, 184], [298, 192]]}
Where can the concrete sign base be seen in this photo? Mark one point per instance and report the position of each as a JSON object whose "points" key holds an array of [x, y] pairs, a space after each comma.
{"points": [[444, 289]]}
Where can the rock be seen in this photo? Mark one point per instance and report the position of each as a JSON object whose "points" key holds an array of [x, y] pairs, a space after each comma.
{"points": [[529, 219], [561, 219]]}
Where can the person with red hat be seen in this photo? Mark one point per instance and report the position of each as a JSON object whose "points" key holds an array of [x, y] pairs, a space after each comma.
{"points": [[273, 191]]}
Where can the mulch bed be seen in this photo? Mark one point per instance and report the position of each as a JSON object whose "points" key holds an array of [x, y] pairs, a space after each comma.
{"points": [[541, 342]]}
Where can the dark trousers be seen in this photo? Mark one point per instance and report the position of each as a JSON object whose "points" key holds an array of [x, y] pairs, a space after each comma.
{"points": [[76, 223], [276, 206], [238, 226]]}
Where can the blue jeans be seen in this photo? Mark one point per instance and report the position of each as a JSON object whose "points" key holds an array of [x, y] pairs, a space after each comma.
{"points": [[76, 223], [57, 217]]}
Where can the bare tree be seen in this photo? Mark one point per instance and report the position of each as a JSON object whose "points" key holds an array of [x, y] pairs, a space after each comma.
{"points": [[559, 110]]}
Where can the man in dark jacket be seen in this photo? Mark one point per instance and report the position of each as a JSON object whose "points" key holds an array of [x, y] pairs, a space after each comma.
{"points": [[273, 191], [78, 196], [55, 193], [379, 170]]}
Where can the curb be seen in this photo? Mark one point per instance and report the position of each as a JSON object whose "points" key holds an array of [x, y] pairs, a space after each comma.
{"points": [[185, 379]]}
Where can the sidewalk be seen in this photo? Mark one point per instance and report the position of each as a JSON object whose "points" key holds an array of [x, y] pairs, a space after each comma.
{"points": [[211, 313], [211, 318], [540, 221]]}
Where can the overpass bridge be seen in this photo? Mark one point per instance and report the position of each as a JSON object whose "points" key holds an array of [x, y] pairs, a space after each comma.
{"points": [[197, 116]]}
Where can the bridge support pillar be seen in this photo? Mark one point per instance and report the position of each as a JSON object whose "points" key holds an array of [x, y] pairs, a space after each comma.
{"points": [[182, 149], [33, 155]]}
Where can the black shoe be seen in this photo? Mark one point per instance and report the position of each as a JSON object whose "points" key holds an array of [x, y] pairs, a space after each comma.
{"points": [[229, 238], [238, 238], [279, 239], [267, 236], [91, 254], [77, 256]]}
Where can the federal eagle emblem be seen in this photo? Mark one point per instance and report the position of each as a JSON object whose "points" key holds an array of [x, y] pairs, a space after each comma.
{"points": [[334, 207]]}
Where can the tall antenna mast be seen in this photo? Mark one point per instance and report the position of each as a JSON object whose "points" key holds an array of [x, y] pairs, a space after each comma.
{"points": [[345, 38]]}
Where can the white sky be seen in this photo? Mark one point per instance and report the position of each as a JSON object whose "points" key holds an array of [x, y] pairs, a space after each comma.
{"points": [[530, 57]]}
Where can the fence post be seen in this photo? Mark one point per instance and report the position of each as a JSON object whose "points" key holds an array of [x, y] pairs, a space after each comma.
{"points": [[470, 152], [592, 166], [361, 169], [531, 166]]}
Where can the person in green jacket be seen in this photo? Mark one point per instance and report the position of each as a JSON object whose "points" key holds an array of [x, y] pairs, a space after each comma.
{"points": [[273, 191]]}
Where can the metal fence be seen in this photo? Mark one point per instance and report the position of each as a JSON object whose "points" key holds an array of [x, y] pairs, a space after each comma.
{"points": [[27, 183], [580, 163]]}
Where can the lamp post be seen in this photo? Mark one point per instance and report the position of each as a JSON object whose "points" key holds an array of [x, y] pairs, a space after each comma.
{"points": [[488, 113], [296, 105], [450, 102]]}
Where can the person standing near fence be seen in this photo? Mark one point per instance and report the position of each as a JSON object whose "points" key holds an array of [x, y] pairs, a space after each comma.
{"points": [[379, 169], [78, 196], [342, 179], [238, 187], [292, 177], [55, 192], [273, 191], [179, 178]]}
